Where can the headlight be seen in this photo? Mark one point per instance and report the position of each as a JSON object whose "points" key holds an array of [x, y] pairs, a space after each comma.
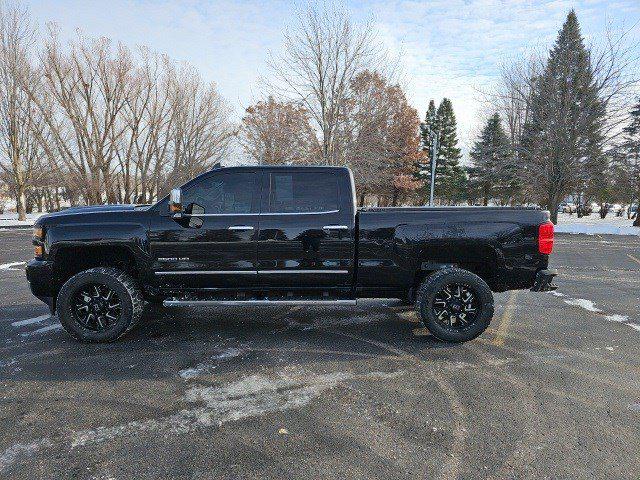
{"points": [[38, 239]]}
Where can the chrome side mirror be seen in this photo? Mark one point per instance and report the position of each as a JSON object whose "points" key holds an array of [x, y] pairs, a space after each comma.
{"points": [[175, 202]]}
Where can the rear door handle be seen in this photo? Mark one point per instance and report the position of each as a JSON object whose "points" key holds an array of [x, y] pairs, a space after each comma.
{"points": [[335, 227], [240, 228]]}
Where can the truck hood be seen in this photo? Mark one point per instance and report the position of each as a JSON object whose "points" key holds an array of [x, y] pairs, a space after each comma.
{"points": [[93, 209]]}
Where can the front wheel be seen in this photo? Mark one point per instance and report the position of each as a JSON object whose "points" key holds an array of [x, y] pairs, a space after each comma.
{"points": [[455, 305], [99, 305]]}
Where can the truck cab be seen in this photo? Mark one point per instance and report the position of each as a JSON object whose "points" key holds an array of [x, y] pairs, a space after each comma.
{"points": [[257, 232]]}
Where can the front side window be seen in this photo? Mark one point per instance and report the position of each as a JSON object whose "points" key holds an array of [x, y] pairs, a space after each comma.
{"points": [[303, 192], [223, 193]]}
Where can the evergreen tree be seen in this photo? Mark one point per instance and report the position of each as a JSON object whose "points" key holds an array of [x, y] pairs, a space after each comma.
{"points": [[631, 156], [429, 125], [563, 141], [451, 178], [492, 174]]}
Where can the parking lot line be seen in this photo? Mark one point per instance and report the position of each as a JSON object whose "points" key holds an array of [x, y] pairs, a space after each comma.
{"points": [[505, 320], [29, 321]]}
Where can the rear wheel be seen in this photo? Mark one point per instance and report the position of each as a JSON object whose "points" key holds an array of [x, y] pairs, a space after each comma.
{"points": [[455, 305], [99, 305]]}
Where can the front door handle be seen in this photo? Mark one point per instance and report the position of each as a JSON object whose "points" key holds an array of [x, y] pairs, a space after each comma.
{"points": [[240, 228], [335, 227]]}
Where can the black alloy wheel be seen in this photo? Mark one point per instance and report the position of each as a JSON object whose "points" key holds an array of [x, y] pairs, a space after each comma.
{"points": [[96, 307], [456, 306], [99, 304]]}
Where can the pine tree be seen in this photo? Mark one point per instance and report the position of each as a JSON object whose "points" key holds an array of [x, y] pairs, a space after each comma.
{"points": [[492, 174], [563, 140], [429, 125], [450, 176], [631, 155]]}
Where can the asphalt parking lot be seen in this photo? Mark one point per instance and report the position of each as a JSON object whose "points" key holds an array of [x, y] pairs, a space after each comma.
{"points": [[551, 390]]}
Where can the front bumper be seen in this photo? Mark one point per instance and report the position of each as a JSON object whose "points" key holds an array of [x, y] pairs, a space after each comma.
{"points": [[42, 281], [543, 281]]}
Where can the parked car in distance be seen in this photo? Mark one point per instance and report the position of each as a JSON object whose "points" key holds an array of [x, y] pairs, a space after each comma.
{"points": [[279, 236], [566, 207]]}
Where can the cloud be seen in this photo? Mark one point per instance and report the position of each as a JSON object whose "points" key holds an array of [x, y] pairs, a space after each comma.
{"points": [[454, 48], [449, 48]]}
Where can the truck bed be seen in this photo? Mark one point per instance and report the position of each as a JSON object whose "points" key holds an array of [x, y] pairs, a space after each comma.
{"points": [[497, 243]]}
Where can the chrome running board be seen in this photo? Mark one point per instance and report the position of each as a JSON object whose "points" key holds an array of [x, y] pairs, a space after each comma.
{"points": [[205, 303]]}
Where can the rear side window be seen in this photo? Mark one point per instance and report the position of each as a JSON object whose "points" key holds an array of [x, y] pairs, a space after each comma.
{"points": [[227, 193], [303, 192]]}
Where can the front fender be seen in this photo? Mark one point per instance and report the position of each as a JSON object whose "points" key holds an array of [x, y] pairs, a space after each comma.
{"points": [[131, 236]]}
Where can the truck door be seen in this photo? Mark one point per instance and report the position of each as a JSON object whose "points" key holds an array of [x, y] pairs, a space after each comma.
{"points": [[306, 238], [215, 245]]}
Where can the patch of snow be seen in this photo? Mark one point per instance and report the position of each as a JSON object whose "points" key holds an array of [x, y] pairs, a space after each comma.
{"points": [[594, 225], [206, 367], [11, 454], [617, 318], [29, 321], [9, 266], [591, 307], [11, 219], [555, 293], [582, 303], [251, 396]]}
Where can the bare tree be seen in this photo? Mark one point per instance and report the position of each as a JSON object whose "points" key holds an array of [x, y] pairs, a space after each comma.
{"points": [[201, 130], [19, 152], [381, 138], [84, 93], [278, 133], [148, 118], [323, 53]]}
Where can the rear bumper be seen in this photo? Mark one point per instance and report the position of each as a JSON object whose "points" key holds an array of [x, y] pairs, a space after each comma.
{"points": [[41, 281], [543, 281]]}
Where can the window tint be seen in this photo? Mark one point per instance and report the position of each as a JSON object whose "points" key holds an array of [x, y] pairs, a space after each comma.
{"points": [[221, 193], [301, 192]]}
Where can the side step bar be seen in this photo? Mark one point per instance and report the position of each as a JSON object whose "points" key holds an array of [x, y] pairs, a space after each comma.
{"points": [[205, 303]]}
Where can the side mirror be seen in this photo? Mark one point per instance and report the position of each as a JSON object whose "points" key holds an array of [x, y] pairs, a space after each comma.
{"points": [[175, 202]]}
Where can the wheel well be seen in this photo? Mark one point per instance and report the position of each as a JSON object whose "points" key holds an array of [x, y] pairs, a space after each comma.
{"points": [[485, 270], [72, 260]]}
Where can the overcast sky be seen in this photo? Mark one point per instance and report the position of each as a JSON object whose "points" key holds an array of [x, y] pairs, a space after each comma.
{"points": [[449, 48]]}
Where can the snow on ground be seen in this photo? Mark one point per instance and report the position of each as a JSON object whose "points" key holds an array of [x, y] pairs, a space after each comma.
{"points": [[11, 220], [206, 367], [594, 225], [589, 306], [12, 266]]}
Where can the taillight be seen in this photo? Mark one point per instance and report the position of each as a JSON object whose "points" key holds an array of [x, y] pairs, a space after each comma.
{"points": [[545, 238]]}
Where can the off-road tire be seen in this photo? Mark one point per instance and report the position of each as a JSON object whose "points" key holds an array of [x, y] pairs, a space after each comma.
{"points": [[438, 280], [128, 291]]}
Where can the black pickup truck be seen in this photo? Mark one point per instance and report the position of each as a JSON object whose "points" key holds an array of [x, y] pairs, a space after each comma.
{"points": [[283, 235]]}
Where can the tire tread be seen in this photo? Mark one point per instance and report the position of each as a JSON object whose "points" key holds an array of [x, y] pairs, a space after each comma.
{"points": [[426, 289], [128, 282]]}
